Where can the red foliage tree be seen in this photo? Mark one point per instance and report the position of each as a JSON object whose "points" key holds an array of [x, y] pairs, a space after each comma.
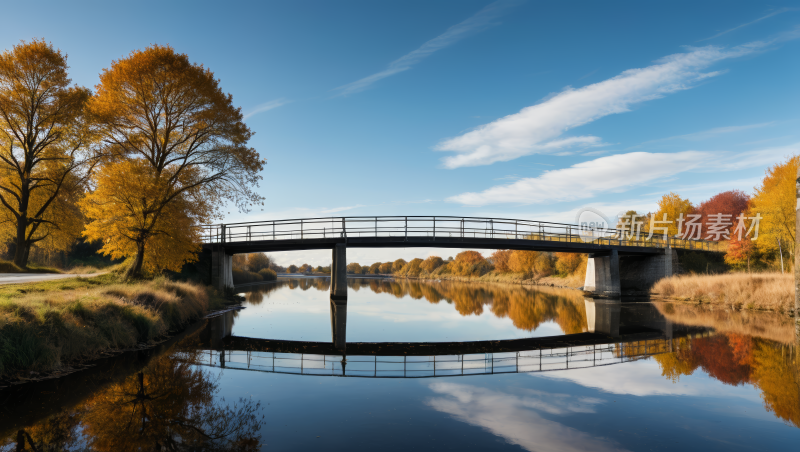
{"points": [[731, 203]]}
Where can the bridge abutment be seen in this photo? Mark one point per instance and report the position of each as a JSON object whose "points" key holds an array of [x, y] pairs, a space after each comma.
{"points": [[602, 275], [609, 275], [339, 272], [221, 269]]}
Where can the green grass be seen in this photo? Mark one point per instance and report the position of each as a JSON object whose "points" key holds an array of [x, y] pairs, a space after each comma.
{"points": [[47, 324]]}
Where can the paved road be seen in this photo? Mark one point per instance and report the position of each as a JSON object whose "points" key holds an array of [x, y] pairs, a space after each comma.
{"points": [[16, 278]]}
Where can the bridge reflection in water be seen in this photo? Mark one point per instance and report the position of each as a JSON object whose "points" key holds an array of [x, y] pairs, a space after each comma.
{"points": [[613, 335]]}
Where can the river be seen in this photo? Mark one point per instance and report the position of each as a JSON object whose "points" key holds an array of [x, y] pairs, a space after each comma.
{"points": [[432, 366]]}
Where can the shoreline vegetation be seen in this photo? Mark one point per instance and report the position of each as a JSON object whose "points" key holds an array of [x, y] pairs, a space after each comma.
{"points": [[47, 326], [768, 291]]}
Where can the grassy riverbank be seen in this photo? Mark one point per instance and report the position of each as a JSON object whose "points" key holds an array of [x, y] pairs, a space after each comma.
{"points": [[573, 281], [47, 324], [753, 291]]}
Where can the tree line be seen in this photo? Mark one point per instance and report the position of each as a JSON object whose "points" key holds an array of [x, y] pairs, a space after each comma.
{"points": [[773, 200], [155, 150]]}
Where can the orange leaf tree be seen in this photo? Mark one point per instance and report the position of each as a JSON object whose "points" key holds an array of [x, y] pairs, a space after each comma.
{"points": [[45, 157], [176, 150]]}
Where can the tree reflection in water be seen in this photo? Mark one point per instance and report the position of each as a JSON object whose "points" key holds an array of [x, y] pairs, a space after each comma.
{"points": [[170, 405], [737, 359]]}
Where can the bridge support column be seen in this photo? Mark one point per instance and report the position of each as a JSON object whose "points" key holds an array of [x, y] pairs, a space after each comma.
{"points": [[339, 324], [339, 272], [221, 269], [640, 273], [602, 315], [602, 275]]}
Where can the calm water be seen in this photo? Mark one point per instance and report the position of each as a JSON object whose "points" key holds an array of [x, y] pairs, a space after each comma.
{"points": [[467, 367]]}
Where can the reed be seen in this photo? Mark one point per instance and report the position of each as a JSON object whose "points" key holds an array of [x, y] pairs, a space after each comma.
{"points": [[754, 291]]}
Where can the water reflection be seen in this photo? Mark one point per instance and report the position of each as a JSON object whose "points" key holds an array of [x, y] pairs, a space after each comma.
{"points": [[736, 359], [680, 372], [169, 405]]}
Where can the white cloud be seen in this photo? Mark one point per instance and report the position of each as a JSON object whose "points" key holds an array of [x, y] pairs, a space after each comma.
{"points": [[516, 418], [614, 173], [538, 128], [475, 23], [266, 106], [620, 172]]}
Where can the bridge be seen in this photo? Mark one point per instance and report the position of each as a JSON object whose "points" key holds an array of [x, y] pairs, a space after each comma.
{"points": [[614, 335], [615, 261]]}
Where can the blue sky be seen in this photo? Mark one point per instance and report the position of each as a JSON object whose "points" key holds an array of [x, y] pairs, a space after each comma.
{"points": [[517, 109]]}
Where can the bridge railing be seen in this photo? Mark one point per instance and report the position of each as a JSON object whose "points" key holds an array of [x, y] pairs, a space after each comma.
{"points": [[435, 228], [435, 365]]}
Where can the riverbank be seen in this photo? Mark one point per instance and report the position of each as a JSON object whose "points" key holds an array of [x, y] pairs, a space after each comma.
{"points": [[565, 282], [738, 291], [45, 326]]}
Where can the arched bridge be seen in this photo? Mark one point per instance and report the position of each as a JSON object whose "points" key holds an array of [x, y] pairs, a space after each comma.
{"points": [[651, 257]]}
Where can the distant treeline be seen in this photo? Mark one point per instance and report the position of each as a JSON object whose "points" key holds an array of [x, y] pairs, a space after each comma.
{"points": [[472, 263]]}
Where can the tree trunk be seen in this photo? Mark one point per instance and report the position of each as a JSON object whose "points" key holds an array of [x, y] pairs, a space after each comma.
{"points": [[135, 270], [21, 251]]}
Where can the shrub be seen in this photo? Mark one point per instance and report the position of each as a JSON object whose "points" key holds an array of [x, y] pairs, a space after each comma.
{"points": [[268, 274], [245, 277]]}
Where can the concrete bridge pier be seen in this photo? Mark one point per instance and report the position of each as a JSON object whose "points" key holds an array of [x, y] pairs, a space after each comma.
{"points": [[339, 272], [221, 268], [602, 275], [602, 315], [339, 324]]}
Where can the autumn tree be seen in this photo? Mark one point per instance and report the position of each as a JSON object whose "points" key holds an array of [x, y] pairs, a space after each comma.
{"points": [[470, 263], [500, 260], [524, 262], [257, 261], [45, 153], [673, 206], [176, 150], [731, 203], [386, 268], [375, 268], [775, 201], [432, 263], [354, 267], [569, 263], [398, 265], [291, 269]]}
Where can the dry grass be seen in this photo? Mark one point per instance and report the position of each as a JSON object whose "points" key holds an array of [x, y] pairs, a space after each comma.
{"points": [[754, 291], [767, 325], [45, 325]]}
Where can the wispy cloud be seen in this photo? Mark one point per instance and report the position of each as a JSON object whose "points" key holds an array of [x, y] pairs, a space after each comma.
{"points": [[266, 106], [342, 209], [478, 22], [710, 133], [618, 173], [774, 13], [539, 128]]}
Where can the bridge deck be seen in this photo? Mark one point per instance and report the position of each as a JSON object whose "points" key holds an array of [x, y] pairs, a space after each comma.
{"points": [[438, 232]]}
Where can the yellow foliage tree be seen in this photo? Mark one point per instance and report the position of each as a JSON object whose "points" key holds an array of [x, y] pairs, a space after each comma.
{"points": [[775, 201], [166, 122], [672, 205], [45, 157]]}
